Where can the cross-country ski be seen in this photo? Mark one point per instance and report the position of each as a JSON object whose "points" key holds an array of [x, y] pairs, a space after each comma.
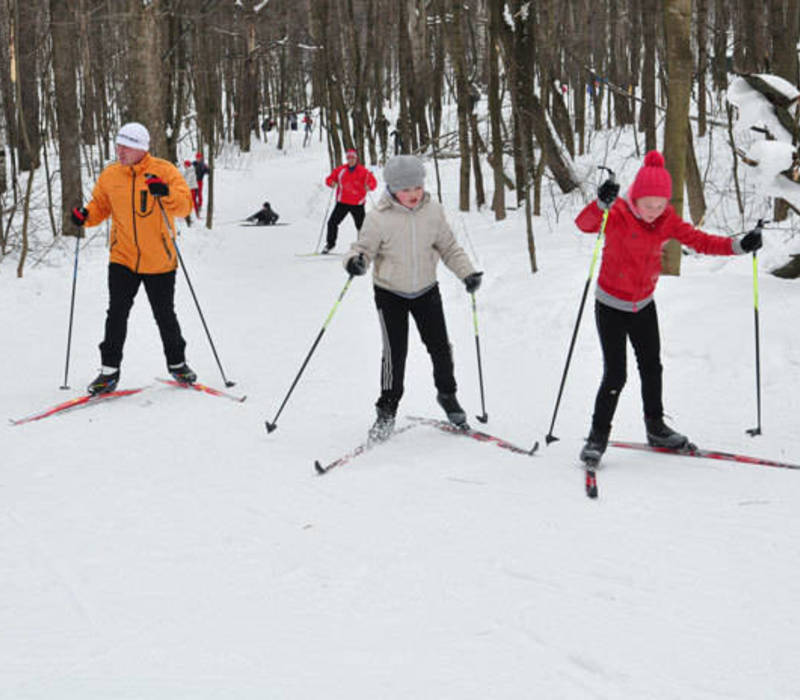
{"points": [[73, 404]]}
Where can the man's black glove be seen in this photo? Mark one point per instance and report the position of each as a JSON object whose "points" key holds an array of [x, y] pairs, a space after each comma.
{"points": [[356, 266], [473, 281], [79, 215], [751, 241], [607, 193], [157, 187]]}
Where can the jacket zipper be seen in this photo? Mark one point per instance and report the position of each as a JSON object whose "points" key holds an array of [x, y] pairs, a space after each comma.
{"points": [[133, 218], [414, 263]]}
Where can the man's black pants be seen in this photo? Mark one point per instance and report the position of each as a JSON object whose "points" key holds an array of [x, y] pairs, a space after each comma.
{"points": [[337, 216], [393, 312], [123, 284], [615, 327]]}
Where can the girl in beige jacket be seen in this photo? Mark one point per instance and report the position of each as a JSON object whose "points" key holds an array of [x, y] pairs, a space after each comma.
{"points": [[404, 237]]}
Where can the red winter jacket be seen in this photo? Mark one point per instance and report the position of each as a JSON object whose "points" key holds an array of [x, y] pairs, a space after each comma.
{"points": [[632, 249], [353, 183]]}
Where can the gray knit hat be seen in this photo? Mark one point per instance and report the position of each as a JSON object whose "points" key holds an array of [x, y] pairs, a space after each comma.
{"points": [[403, 172]]}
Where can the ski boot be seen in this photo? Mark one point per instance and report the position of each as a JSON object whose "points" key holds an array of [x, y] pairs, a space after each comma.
{"points": [[327, 249], [455, 414], [594, 448], [182, 373], [104, 382], [661, 435], [383, 427]]}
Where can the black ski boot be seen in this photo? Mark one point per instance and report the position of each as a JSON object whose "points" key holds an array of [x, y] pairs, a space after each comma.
{"points": [[183, 373], [595, 446], [455, 414], [104, 382], [383, 427], [661, 435]]}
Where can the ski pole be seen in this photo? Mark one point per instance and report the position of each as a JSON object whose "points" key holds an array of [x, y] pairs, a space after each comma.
{"points": [[757, 430], [484, 416], [274, 424], [550, 437], [324, 220], [65, 385], [227, 381]]}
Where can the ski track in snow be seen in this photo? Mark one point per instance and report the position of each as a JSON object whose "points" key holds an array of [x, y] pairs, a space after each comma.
{"points": [[165, 546]]}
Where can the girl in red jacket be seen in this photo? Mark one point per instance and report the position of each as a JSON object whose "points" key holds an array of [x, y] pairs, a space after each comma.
{"points": [[351, 180], [636, 229]]}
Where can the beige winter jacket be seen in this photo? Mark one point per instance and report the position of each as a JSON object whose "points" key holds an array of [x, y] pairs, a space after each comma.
{"points": [[405, 245]]}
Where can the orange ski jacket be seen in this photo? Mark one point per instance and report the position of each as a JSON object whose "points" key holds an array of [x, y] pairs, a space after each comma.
{"points": [[140, 239]]}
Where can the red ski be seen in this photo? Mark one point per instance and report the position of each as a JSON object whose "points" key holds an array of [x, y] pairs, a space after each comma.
{"points": [[704, 454], [202, 387], [77, 402], [365, 446], [474, 434]]}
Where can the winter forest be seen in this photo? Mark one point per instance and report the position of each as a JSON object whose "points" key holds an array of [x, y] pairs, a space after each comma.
{"points": [[532, 84], [243, 530]]}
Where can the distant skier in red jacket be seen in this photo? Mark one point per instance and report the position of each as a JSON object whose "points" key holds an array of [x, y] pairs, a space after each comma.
{"points": [[636, 229], [352, 180]]}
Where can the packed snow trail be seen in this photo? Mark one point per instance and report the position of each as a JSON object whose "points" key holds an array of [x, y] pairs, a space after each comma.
{"points": [[167, 546]]}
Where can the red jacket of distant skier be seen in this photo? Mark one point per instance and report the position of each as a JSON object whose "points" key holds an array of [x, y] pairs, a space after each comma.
{"points": [[632, 249], [351, 183]]}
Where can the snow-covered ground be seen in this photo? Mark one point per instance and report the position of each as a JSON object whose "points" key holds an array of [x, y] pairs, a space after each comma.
{"points": [[165, 546]]}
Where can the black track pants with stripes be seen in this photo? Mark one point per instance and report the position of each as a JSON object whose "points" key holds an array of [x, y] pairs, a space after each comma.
{"points": [[428, 314]]}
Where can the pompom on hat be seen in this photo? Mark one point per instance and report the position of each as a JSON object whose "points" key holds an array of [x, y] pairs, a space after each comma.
{"points": [[134, 135], [652, 180]]}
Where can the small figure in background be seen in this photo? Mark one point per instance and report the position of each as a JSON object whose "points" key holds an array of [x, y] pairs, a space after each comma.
{"points": [[264, 216]]}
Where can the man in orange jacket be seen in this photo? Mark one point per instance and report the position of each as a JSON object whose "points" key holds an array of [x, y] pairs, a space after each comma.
{"points": [[133, 191], [351, 180]]}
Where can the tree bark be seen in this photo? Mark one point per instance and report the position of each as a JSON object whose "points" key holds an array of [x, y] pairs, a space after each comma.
{"points": [[677, 27], [62, 28], [146, 87]]}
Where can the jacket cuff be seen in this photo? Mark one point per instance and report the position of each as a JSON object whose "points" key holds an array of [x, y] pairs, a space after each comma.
{"points": [[736, 244]]}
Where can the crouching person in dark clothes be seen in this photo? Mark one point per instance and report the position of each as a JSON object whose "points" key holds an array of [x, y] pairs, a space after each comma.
{"points": [[264, 216], [132, 191], [404, 237]]}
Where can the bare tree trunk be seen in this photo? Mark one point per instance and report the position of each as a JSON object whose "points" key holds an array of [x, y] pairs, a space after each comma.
{"points": [[702, 65], [677, 27], [720, 61], [648, 112], [495, 115], [145, 82], [27, 93], [784, 21], [694, 183], [456, 43], [62, 28]]}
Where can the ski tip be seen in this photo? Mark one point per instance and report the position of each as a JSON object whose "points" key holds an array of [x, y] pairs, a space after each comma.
{"points": [[534, 448], [591, 483], [319, 468]]}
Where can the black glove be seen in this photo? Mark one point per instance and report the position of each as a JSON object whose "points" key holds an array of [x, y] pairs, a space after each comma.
{"points": [[157, 187], [472, 282], [356, 266], [79, 215], [607, 193], [751, 241]]}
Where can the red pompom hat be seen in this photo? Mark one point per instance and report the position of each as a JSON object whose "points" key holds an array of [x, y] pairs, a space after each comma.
{"points": [[652, 180]]}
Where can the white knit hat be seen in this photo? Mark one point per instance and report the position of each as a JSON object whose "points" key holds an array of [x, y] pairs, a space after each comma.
{"points": [[134, 135], [403, 172]]}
